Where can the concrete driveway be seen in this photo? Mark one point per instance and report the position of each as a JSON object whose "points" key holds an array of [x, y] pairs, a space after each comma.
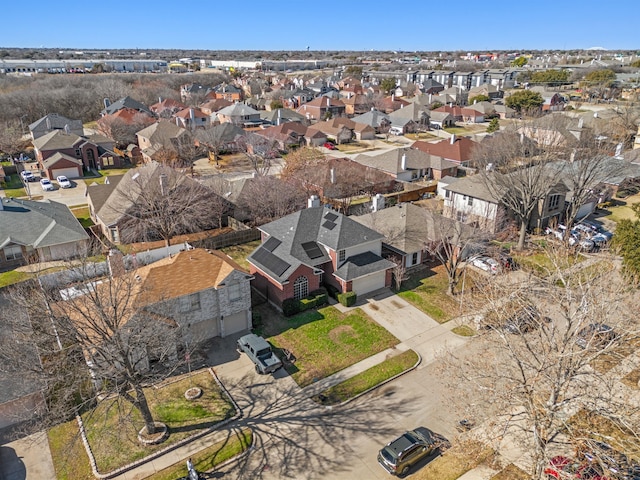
{"points": [[27, 459], [69, 196]]}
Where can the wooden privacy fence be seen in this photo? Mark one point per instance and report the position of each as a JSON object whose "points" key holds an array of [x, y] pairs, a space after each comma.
{"points": [[228, 239]]}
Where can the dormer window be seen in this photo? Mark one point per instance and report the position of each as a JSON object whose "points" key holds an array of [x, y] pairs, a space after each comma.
{"points": [[342, 255]]}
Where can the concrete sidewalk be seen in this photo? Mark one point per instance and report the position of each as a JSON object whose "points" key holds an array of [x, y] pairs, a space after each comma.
{"points": [[353, 370]]}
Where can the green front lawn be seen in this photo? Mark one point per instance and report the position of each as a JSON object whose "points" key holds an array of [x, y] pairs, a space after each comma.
{"points": [[622, 208], [207, 459], [327, 341], [368, 379], [111, 172], [426, 289], [541, 263], [112, 427], [12, 276]]}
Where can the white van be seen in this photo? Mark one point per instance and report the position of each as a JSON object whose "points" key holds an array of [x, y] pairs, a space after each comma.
{"points": [[396, 131]]}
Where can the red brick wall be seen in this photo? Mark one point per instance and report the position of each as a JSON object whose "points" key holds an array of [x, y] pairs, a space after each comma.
{"points": [[388, 275], [275, 292]]}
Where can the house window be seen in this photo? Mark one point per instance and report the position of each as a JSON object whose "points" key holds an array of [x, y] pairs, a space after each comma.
{"points": [[13, 252], [554, 202], [300, 288], [235, 293], [447, 194], [115, 235], [470, 201], [414, 258], [194, 301], [78, 153], [342, 255]]}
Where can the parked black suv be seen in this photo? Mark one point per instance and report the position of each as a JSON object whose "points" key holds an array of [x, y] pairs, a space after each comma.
{"points": [[408, 449]]}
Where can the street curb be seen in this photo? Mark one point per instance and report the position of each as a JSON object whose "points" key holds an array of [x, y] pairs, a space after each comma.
{"points": [[379, 384], [159, 453]]}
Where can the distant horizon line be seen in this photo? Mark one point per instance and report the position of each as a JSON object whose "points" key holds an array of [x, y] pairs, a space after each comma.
{"points": [[487, 50]]}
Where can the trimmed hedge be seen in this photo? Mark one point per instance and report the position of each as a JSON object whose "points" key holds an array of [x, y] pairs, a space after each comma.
{"points": [[320, 295], [317, 298], [307, 303], [290, 306], [347, 299], [333, 291]]}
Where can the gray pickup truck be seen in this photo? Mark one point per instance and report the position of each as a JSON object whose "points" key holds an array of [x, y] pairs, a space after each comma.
{"points": [[260, 353]]}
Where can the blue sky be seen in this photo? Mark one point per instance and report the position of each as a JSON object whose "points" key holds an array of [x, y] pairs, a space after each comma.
{"points": [[296, 25]]}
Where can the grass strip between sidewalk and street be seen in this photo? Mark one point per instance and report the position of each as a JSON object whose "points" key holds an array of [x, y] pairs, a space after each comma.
{"points": [[368, 379], [207, 459]]}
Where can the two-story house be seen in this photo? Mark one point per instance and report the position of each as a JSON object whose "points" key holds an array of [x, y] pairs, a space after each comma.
{"points": [[239, 114], [322, 108], [64, 153], [317, 246], [469, 200], [194, 295]]}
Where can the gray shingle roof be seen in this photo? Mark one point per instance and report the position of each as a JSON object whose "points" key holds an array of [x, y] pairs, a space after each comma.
{"points": [[56, 122], [362, 264], [53, 159], [126, 102], [309, 225], [238, 110], [57, 140], [38, 224]]}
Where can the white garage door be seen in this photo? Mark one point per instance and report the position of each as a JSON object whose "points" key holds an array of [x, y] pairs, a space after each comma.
{"points": [[369, 283], [70, 172], [234, 323]]}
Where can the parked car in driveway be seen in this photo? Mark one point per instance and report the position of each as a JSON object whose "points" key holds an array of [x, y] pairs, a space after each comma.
{"points": [[329, 146], [398, 456], [27, 176], [46, 184], [260, 353], [63, 181], [487, 264]]}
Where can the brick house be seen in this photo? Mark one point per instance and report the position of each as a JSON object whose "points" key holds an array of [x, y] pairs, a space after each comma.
{"points": [[317, 246], [456, 149], [68, 154], [322, 107]]}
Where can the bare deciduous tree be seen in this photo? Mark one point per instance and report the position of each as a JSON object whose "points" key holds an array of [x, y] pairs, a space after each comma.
{"points": [[158, 202], [122, 132], [268, 198], [101, 338], [448, 242], [545, 357], [516, 172], [260, 151]]}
